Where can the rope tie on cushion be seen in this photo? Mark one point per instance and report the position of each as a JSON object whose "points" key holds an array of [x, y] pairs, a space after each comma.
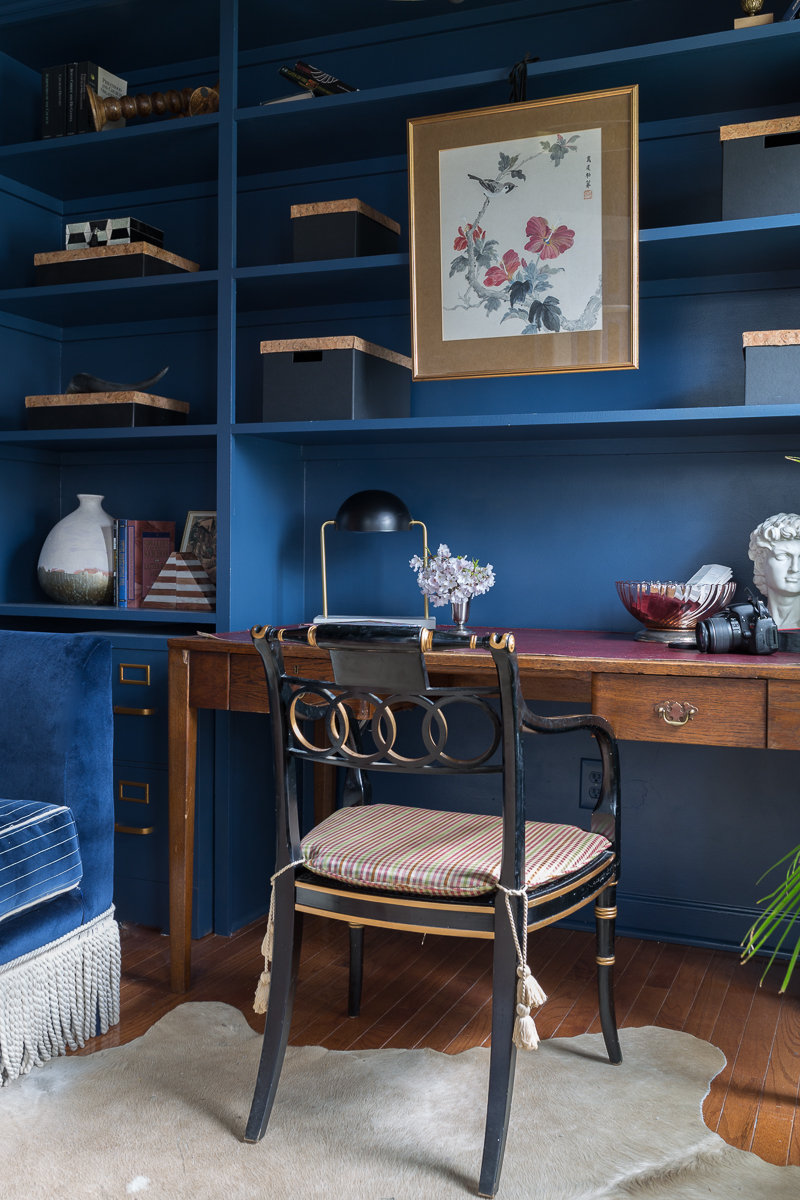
{"points": [[262, 991], [529, 993]]}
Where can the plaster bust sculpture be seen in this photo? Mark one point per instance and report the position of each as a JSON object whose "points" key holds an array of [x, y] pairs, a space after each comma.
{"points": [[775, 550]]}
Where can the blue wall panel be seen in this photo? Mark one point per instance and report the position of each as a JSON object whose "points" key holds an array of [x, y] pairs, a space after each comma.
{"points": [[26, 229], [30, 368], [559, 527], [267, 535], [265, 224], [126, 355], [29, 496], [145, 490], [488, 36]]}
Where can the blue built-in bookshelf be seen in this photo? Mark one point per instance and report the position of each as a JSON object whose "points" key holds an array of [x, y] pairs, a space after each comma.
{"points": [[565, 483]]}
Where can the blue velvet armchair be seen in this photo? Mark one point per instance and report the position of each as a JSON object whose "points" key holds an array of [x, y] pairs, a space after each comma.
{"points": [[59, 943]]}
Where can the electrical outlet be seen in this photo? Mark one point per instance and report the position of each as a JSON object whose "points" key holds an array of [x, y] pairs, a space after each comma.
{"points": [[591, 778]]}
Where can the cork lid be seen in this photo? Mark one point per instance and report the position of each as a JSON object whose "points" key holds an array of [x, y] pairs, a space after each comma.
{"points": [[84, 252], [336, 206], [772, 337], [106, 398], [335, 343], [729, 133]]}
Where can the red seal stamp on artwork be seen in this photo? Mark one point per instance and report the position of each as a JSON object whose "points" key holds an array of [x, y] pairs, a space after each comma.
{"points": [[587, 195]]}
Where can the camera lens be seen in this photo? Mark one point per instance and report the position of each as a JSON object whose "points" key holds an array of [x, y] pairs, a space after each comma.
{"points": [[718, 635]]}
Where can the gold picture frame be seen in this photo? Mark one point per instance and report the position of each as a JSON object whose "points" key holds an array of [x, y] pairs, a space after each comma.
{"points": [[200, 539], [570, 273]]}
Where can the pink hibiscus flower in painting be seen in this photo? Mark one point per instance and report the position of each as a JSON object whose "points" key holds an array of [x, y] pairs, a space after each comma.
{"points": [[461, 241], [547, 242], [510, 264]]}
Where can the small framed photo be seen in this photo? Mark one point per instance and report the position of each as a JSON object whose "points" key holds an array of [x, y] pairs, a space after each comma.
{"points": [[524, 237], [200, 538]]}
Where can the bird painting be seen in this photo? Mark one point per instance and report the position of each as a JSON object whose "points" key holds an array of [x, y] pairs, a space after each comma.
{"points": [[490, 187]]}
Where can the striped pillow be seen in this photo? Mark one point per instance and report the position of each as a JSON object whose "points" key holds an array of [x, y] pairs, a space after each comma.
{"points": [[39, 854], [438, 853]]}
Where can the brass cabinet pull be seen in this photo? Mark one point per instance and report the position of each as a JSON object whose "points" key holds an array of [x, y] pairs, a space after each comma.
{"points": [[675, 712], [135, 667], [133, 828], [123, 783], [133, 712]]}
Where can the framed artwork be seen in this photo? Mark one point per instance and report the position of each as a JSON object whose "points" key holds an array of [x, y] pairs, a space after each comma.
{"points": [[200, 539], [525, 237]]}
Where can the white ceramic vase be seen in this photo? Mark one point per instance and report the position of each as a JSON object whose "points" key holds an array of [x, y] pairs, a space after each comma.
{"points": [[76, 565]]}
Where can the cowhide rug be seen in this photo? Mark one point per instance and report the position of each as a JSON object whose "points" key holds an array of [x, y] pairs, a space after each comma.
{"points": [[162, 1118]]}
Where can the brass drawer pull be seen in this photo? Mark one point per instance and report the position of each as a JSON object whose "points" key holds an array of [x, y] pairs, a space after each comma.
{"points": [[133, 712], [133, 828], [135, 667], [674, 712], [123, 783]]}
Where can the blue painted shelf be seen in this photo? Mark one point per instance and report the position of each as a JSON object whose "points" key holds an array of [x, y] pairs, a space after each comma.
{"points": [[164, 154], [683, 251], [341, 280], [710, 69], [635, 423], [103, 612], [721, 247], [176, 437], [160, 297]]}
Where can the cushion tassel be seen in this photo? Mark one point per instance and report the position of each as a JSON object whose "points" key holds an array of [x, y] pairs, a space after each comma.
{"points": [[529, 993], [262, 991], [261, 998]]}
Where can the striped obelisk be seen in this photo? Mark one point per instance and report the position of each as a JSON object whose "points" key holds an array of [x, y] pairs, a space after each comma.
{"points": [[182, 584]]}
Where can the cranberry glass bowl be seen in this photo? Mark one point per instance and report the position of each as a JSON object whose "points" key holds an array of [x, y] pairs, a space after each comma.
{"points": [[670, 611]]}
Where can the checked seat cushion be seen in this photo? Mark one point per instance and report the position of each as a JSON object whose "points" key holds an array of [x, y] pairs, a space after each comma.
{"points": [[438, 853]]}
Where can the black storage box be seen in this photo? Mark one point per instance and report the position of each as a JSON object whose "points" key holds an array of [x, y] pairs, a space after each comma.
{"points": [[334, 379], [91, 264], [103, 410], [341, 229], [760, 168], [772, 366]]}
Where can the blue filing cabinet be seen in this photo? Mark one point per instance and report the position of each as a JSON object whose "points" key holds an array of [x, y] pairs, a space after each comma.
{"points": [[141, 813]]}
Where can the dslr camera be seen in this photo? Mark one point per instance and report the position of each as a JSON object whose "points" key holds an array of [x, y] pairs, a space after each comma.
{"points": [[745, 628]]}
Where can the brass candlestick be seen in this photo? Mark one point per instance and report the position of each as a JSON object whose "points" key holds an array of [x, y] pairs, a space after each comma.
{"points": [[191, 102]]}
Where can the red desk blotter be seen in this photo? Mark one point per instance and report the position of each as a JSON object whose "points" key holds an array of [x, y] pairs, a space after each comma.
{"points": [[182, 584]]}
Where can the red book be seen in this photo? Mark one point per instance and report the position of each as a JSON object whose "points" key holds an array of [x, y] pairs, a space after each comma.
{"points": [[153, 542]]}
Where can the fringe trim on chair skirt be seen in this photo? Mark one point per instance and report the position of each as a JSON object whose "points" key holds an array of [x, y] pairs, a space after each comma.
{"points": [[57, 996]]}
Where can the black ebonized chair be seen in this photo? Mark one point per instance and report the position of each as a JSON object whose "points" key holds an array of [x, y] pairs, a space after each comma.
{"points": [[411, 868]]}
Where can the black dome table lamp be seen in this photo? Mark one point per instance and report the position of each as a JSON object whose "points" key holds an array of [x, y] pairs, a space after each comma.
{"points": [[371, 511]]}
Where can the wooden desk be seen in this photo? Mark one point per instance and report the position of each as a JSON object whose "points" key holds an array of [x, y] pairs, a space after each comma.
{"points": [[739, 700]]}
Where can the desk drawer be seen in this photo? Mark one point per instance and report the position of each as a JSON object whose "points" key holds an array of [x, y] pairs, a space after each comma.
{"points": [[729, 712], [141, 823], [139, 692]]}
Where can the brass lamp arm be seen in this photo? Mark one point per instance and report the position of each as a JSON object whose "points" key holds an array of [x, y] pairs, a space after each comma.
{"points": [[324, 570], [424, 553], [322, 529]]}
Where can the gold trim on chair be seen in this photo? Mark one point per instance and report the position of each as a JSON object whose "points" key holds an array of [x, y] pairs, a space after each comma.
{"points": [[605, 962], [605, 914], [503, 641]]}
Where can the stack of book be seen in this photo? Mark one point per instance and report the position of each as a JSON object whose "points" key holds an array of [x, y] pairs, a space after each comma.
{"points": [[141, 548], [65, 104], [312, 81]]}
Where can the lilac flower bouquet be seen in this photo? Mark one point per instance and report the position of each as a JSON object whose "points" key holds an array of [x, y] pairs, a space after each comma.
{"points": [[450, 579]]}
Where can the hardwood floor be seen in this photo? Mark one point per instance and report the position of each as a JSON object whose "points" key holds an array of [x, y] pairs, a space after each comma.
{"points": [[436, 993]]}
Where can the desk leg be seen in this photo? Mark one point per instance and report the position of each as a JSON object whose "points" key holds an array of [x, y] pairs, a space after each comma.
{"points": [[182, 766]]}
